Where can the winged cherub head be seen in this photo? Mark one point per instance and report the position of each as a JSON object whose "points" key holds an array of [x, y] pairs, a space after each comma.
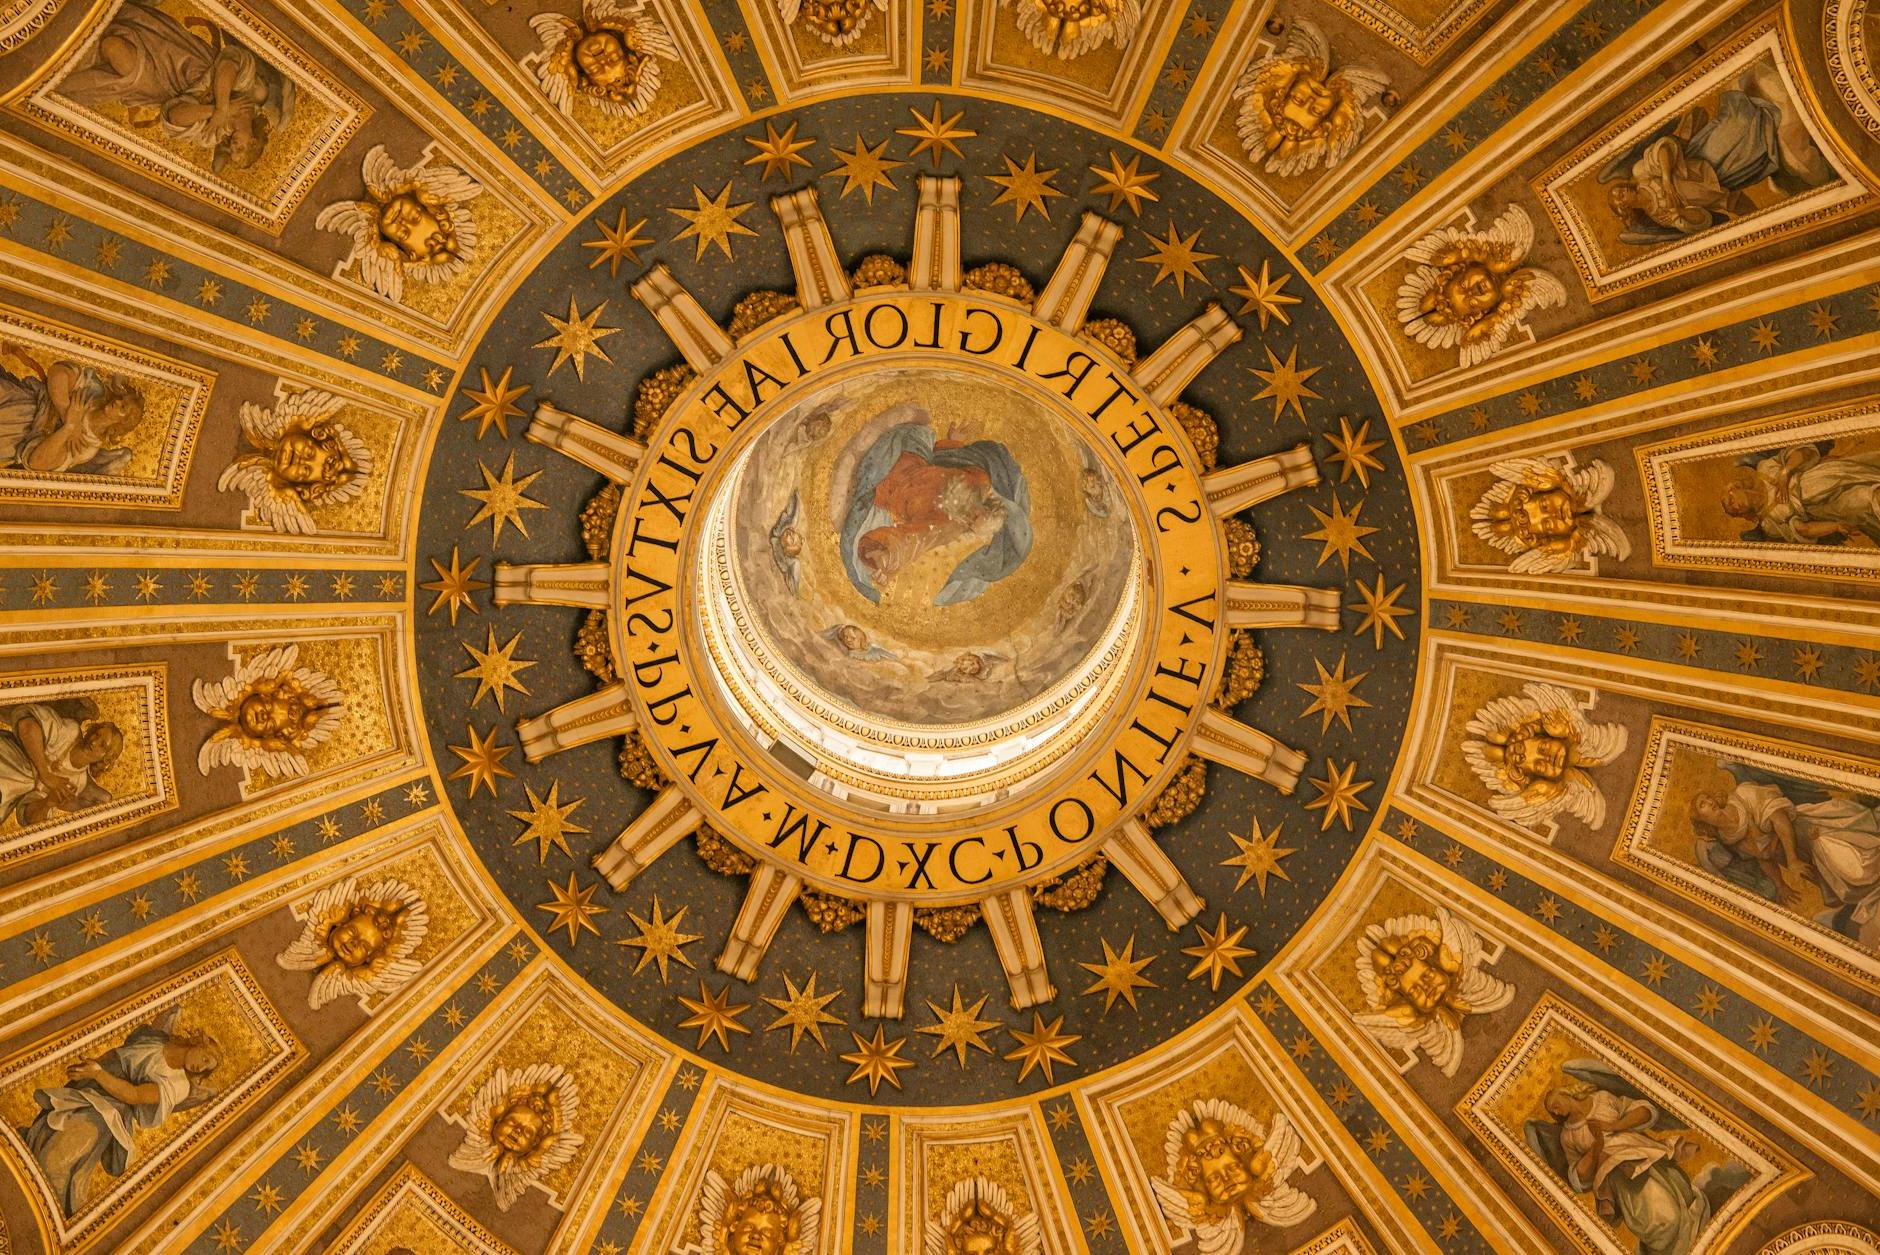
{"points": [[978, 1219], [1296, 113], [1532, 752], [1469, 290], [415, 222], [520, 1127], [1422, 977], [358, 940], [1070, 28], [1549, 514], [270, 712], [761, 1213], [835, 22], [305, 458], [1225, 1172], [610, 56]]}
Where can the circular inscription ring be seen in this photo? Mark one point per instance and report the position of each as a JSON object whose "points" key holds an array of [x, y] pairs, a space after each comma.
{"points": [[983, 834]]}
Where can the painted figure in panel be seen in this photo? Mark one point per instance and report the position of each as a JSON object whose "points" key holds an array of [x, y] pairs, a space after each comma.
{"points": [[62, 417], [50, 755], [1605, 1138]]}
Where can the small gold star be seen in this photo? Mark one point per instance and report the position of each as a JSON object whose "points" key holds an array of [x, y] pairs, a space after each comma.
{"points": [[1120, 974], [495, 669], [1125, 183], [1341, 534], [454, 585], [803, 1011], [1265, 296], [777, 153], [1040, 1047], [308, 1156], [503, 499], [618, 243], [660, 941], [1259, 857], [864, 169], [1338, 794], [573, 908], [1287, 383], [1026, 187], [1219, 953], [547, 822], [578, 337], [876, 1060], [931, 135], [482, 760], [495, 404], [713, 221], [959, 1027]]}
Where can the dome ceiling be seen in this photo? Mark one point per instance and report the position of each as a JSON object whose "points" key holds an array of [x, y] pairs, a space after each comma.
{"points": [[987, 626]]}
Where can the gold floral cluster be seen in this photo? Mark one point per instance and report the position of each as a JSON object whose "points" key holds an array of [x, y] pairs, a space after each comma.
{"points": [[878, 270], [757, 308], [1000, 280], [655, 396], [1113, 334], [637, 765]]}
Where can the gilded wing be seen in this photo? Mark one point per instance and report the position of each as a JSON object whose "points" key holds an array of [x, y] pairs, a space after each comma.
{"points": [[1480, 991], [1221, 1237], [554, 65], [648, 31], [809, 1223], [281, 511], [379, 267]]}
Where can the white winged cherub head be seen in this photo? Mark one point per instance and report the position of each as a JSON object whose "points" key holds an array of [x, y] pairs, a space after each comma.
{"points": [[1549, 515], [761, 1213], [978, 1219], [1070, 28], [1296, 112], [1422, 978], [414, 223], [1532, 752], [609, 56], [357, 940], [520, 1127], [1470, 291], [270, 712], [306, 459], [1226, 1172]]}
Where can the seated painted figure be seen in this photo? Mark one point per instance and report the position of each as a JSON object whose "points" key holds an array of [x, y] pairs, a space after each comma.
{"points": [[914, 494]]}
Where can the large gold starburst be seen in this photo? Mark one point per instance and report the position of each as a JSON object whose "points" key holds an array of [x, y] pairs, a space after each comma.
{"points": [[546, 822], [1176, 257], [876, 1060], [714, 1015], [1219, 953], [495, 669], [1026, 187], [1042, 1046], [864, 169], [577, 338], [713, 221], [1341, 533], [803, 1011], [1352, 450], [1287, 383], [1259, 857], [502, 498], [1264, 295], [1380, 611], [931, 135], [482, 760], [778, 152], [618, 243], [494, 403], [453, 585], [660, 940], [573, 907], [959, 1027], [1339, 794], [1120, 974], [1125, 183], [1334, 694]]}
